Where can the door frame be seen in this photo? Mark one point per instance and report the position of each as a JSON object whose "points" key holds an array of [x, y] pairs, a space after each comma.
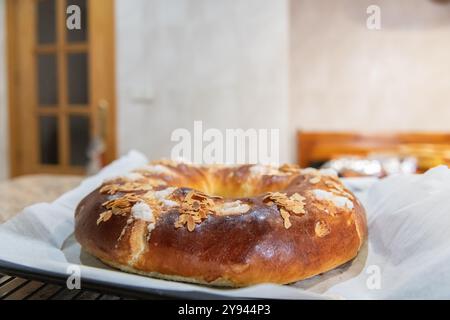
{"points": [[101, 35]]}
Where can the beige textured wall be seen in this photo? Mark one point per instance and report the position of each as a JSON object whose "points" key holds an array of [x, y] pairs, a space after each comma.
{"points": [[344, 76], [223, 62]]}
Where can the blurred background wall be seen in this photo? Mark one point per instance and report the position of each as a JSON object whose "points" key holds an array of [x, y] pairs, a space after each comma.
{"points": [[272, 64], [346, 77], [3, 103], [223, 62]]}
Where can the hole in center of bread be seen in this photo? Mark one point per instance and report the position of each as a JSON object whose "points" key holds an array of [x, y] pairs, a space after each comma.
{"points": [[245, 188]]}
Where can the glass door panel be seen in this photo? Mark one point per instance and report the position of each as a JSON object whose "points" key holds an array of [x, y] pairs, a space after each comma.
{"points": [[79, 35], [48, 140], [47, 78], [79, 140], [77, 79], [63, 106], [46, 22], [55, 94]]}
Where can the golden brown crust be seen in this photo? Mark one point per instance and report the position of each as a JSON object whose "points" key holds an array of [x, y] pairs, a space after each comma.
{"points": [[326, 227]]}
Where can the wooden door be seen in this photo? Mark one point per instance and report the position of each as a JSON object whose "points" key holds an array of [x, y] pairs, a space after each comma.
{"points": [[61, 85]]}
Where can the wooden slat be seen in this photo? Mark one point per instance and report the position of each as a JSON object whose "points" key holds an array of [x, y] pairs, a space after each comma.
{"points": [[4, 278], [79, 171], [45, 48], [25, 291], [73, 47], [87, 295], [48, 110], [108, 297], [22, 75], [102, 89], [46, 292], [11, 286], [66, 294]]}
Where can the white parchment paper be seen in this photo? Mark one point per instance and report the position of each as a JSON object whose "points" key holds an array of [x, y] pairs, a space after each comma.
{"points": [[407, 254]]}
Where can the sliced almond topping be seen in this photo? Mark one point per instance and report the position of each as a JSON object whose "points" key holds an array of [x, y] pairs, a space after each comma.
{"points": [[104, 216], [165, 162], [122, 205], [109, 189], [203, 214], [182, 219], [322, 228], [297, 197], [178, 224], [287, 223], [190, 223], [285, 215], [299, 209], [119, 211], [132, 186], [189, 196], [289, 168], [294, 204], [315, 180], [195, 207], [338, 188]]}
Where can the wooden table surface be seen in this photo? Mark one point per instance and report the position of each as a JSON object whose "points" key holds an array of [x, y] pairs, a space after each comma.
{"points": [[18, 193], [15, 195]]}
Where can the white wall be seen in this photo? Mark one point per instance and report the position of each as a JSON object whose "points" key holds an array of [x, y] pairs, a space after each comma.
{"points": [[3, 103], [347, 77], [223, 62]]}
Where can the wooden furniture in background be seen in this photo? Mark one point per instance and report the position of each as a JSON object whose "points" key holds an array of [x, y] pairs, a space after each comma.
{"points": [[314, 148], [61, 84]]}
